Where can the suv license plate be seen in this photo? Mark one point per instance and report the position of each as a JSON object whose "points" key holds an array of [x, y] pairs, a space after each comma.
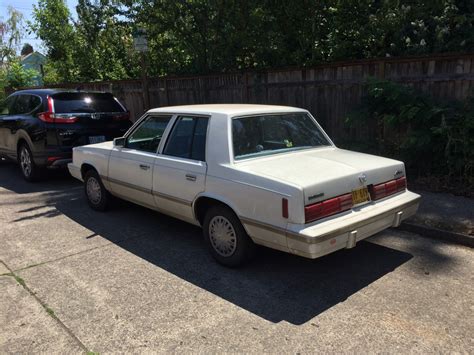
{"points": [[360, 196], [96, 139]]}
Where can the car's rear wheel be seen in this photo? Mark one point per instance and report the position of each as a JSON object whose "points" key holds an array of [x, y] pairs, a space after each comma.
{"points": [[28, 167], [97, 196], [226, 238]]}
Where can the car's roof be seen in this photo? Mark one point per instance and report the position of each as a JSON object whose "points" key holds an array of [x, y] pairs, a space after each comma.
{"points": [[227, 109]]}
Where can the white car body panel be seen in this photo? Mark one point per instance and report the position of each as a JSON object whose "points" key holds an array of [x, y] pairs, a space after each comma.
{"points": [[254, 188]]}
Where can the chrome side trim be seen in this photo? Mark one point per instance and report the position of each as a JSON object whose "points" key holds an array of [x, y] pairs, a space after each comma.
{"points": [[265, 226], [125, 184], [172, 198], [334, 233], [153, 192]]}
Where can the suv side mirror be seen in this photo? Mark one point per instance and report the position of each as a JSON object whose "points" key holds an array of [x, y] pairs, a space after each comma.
{"points": [[119, 142]]}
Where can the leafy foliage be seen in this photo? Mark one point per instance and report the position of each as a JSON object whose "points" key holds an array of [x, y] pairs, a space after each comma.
{"points": [[433, 138], [10, 35], [12, 74], [18, 77], [200, 36]]}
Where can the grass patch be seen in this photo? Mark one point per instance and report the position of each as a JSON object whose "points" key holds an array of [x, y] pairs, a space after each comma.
{"points": [[20, 280], [49, 311]]}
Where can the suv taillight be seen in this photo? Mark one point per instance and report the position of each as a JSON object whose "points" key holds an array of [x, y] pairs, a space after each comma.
{"points": [[387, 188], [328, 207], [51, 117]]}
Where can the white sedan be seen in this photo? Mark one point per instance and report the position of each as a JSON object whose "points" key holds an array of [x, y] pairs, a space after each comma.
{"points": [[248, 174]]}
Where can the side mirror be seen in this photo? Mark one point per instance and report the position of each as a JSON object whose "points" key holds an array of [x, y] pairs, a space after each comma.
{"points": [[119, 142]]}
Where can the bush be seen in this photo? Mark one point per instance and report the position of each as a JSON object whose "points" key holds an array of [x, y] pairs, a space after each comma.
{"points": [[434, 139]]}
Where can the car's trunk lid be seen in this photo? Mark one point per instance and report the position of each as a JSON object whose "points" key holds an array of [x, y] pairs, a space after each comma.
{"points": [[323, 173]]}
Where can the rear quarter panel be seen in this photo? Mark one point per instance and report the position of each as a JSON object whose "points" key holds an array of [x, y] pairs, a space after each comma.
{"points": [[257, 201]]}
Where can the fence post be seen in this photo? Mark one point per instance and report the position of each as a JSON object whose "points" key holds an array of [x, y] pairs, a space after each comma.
{"points": [[146, 94], [245, 87]]}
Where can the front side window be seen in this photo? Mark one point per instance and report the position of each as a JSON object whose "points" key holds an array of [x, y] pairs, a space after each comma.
{"points": [[188, 138], [147, 135], [269, 134]]}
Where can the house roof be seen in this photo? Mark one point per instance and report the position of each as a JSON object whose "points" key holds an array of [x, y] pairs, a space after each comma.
{"points": [[33, 54]]}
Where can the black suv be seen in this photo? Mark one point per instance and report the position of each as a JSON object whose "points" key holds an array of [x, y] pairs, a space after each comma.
{"points": [[39, 127]]}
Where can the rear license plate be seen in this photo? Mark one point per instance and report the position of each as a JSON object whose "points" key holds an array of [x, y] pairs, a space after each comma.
{"points": [[360, 196], [96, 139]]}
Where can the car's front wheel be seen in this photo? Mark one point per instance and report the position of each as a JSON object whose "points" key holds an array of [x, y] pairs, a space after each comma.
{"points": [[96, 194], [226, 238], [28, 167]]}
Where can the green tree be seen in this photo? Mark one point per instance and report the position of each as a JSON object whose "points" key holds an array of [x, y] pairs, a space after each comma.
{"points": [[201, 36], [52, 23], [10, 35], [18, 76]]}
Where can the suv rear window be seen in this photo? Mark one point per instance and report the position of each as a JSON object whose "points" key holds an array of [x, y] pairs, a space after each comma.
{"points": [[85, 103]]}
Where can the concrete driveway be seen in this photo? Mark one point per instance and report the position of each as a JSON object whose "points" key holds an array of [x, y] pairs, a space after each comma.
{"points": [[133, 280]]}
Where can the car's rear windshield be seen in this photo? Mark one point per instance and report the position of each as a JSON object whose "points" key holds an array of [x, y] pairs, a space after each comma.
{"points": [[269, 134], [85, 103]]}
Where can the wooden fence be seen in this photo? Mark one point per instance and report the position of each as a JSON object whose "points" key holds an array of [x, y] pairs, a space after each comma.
{"points": [[328, 91]]}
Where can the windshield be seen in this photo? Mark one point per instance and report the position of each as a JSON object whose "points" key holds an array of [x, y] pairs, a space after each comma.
{"points": [[269, 134]]}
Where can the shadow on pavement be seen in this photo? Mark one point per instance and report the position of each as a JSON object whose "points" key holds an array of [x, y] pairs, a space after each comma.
{"points": [[275, 286], [11, 179]]}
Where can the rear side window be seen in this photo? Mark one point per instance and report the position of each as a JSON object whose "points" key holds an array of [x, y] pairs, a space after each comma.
{"points": [[25, 104], [188, 138], [70, 102]]}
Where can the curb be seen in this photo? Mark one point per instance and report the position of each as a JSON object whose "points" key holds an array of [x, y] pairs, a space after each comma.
{"points": [[434, 233]]}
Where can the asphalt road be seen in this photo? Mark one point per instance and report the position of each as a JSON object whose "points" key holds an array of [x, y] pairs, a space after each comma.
{"points": [[133, 280]]}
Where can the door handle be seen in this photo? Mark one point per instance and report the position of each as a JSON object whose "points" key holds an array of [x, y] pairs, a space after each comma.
{"points": [[190, 177], [144, 166]]}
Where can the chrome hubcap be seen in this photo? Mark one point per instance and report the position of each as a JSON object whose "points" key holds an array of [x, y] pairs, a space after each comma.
{"points": [[25, 161], [222, 235], [94, 192]]}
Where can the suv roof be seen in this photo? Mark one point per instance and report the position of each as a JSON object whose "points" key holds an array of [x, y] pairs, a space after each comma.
{"points": [[50, 91]]}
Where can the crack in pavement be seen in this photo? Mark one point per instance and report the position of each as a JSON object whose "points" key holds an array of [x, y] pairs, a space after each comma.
{"points": [[75, 254], [48, 310]]}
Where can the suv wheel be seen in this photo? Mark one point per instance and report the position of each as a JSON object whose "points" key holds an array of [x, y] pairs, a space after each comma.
{"points": [[28, 167], [226, 238], [96, 194]]}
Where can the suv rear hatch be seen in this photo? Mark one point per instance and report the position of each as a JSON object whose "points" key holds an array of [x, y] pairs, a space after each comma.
{"points": [[82, 118]]}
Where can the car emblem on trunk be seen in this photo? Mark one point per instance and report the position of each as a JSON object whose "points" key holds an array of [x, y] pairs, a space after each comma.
{"points": [[95, 116], [362, 178]]}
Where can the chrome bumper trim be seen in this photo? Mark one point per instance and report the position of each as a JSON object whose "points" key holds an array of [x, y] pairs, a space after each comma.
{"points": [[334, 233]]}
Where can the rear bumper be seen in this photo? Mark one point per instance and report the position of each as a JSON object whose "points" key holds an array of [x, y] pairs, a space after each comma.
{"points": [[53, 158], [325, 237]]}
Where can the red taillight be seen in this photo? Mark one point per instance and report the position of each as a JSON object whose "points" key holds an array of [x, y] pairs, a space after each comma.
{"points": [[327, 208], [50, 104], [125, 116], [51, 117], [387, 188], [51, 160], [46, 117]]}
